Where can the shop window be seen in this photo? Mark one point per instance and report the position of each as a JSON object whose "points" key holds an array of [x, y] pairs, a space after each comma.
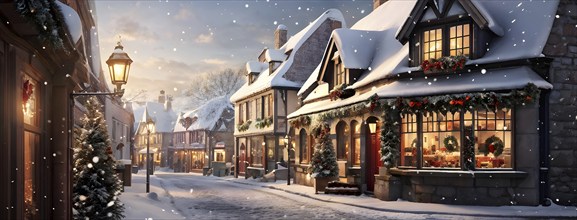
{"points": [[441, 140], [459, 40], [30, 100], [256, 151], [493, 139], [442, 144], [356, 145], [304, 146], [342, 140]]}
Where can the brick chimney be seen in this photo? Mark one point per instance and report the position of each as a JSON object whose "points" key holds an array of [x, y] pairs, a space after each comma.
{"points": [[162, 97], [377, 3], [280, 37]]}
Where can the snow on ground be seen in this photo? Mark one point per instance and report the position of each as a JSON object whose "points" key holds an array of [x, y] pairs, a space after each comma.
{"points": [[193, 196]]}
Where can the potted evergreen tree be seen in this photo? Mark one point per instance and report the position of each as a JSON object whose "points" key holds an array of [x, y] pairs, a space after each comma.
{"points": [[96, 186], [324, 167]]}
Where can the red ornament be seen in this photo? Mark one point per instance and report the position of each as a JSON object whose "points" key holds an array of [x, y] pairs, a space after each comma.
{"points": [[528, 98], [27, 90], [452, 102], [491, 148], [468, 98]]}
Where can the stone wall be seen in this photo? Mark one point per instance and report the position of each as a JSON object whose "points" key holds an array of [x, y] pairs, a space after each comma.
{"points": [[562, 46], [311, 52]]}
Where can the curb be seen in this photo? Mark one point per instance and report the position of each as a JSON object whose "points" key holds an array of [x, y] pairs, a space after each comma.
{"points": [[404, 211]]}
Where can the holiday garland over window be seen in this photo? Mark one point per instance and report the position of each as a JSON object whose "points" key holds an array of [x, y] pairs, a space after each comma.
{"points": [[490, 101], [47, 18], [243, 126], [303, 120], [262, 123], [444, 63]]}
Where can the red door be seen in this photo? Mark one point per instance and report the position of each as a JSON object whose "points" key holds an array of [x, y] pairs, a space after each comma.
{"points": [[242, 159], [373, 160]]}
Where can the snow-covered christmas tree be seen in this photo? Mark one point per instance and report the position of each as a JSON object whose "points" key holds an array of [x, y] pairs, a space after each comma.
{"points": [[390, 140], [96, 186], [324, 161]]}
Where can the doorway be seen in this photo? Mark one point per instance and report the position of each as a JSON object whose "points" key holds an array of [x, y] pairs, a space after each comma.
{"points": [[372, 152]]}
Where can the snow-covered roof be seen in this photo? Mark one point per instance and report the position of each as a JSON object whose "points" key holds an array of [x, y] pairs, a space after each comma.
{"points": [[312, 78], [276, 79], [255, 66], [206, 115], [274, 55], [356, 47], [72, 20], [476, 81], [163, 120], [527, 25]]}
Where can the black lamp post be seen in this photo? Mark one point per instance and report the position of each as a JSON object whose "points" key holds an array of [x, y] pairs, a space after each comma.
{"points": [[149, 123]]}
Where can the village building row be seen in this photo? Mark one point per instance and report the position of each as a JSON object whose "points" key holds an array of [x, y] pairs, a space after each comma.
{"points": [[465, 102]]}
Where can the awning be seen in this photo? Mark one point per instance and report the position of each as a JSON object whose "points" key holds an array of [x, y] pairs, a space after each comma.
{"points": [[476, 81]]}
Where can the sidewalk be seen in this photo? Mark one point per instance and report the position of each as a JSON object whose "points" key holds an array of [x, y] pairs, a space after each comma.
{"points": [[368, 202]]}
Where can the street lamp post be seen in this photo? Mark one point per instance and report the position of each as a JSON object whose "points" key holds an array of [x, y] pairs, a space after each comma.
{"points": [[149, 123], [288, 148]]}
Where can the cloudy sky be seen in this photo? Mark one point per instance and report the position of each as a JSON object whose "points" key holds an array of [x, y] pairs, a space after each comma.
{"points": [[172, 41]]}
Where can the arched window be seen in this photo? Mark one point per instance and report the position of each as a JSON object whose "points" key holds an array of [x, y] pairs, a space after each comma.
{"points": [[343, 140], [356, 144], [304, 146]]}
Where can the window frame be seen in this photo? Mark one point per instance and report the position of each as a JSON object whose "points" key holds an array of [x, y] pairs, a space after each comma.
{"points": [[339, 72], [463, 124], [304, 146], [445, 25], [343, 141]]}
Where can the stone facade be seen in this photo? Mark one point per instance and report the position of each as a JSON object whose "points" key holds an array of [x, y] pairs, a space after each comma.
{"points": [[307, 58], [562, 47]]}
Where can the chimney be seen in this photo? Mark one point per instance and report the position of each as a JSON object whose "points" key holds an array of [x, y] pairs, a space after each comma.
{"points": [[377, 3], [162, 97], [280, 37], [168, 103]]}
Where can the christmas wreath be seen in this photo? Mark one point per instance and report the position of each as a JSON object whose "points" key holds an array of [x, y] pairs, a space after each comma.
{"points": [[451, 143], [494, 145]]}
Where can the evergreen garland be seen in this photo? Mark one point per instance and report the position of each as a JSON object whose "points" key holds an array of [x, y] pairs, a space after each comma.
{"points": [[390, 139], [469, 149], [96, 186], [324, 160], [47, 18]]}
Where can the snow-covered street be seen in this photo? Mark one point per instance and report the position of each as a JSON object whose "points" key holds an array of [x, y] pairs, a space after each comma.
{"points": [[193, 196]]}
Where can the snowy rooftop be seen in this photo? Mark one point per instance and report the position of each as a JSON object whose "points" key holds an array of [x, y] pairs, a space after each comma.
{"points": [[163, 120], [276, 79], [274, 55], [206, 115], [526, 28]]}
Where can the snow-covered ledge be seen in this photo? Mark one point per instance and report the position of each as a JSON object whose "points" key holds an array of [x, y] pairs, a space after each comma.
{"points": [[459, 173]]}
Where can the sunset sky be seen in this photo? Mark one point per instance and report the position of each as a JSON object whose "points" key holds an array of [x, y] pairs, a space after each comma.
{"points": [[172, 41]]}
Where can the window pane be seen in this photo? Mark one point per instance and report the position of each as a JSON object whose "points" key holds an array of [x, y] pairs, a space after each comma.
{"points": [[493, 140], [342, 141], [432, 44], [435, 152], [408, 141], [31, 142]]}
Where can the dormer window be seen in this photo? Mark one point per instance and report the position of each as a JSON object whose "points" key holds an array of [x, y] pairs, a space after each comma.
{"points": [[339, 72], [447, 40]]}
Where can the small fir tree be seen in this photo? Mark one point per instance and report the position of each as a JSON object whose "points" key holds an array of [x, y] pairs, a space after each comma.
{"points": [[390, 139], [96, 185], [324, 161]]}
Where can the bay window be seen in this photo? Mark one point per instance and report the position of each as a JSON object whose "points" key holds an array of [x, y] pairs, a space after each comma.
{"points": [[436, 140]]}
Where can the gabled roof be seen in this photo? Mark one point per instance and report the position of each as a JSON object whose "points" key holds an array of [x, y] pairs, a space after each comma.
{"points": [[527, 25], [273, 55], [206, 115], [163, 120], [276, 79], [441, 8]]}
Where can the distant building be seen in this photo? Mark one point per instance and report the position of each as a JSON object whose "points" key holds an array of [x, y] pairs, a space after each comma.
{"points": [[160, 136], [270, 93], [120, 122], [203, 135]]}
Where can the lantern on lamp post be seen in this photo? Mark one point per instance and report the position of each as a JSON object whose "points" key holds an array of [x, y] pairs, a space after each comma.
{"points": [[119, 67]]}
